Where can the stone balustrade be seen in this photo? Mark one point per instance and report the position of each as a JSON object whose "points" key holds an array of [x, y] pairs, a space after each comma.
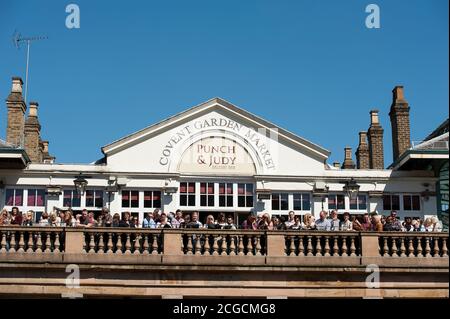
{"points": [[201, 242]]}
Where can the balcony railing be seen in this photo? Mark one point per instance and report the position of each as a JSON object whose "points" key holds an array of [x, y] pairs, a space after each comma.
{"points": [[200, 243]]}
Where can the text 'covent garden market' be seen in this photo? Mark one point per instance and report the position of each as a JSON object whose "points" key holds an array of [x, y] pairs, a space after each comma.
{"points": [[216, 157]]}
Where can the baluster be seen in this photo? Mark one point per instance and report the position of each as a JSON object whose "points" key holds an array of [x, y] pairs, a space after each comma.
{"points": [[344, 246], [145, 244], [335, 246], [419, 247], [207, 246], [119, 245], [198, 246], [57, 244], [12, 243], [189, 245], [215, 245], [300, 246], [91, 243], [21, 243], [137, 244], [410, 247], [258, 245], [385, 247], [427, 247], [128, 245], [292, 246], [232, 245], [223, 248], [352, 246], [39, 243], [30, 242], [3, 243], [436, 247], [402, 247], [318, 246], [101, 245], [309, 248], [444, 247], [155, 244], [241, 245], [394, 247], [109, 244], [327, 247]]}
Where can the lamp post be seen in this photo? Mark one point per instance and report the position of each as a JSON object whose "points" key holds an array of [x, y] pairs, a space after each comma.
{"points": [[80, 184], [352, 189]]}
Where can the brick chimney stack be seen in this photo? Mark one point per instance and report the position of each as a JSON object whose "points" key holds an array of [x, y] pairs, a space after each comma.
{"points": [[399, 114], [375, 136], [46, 157], [33, 134], [16, 114], [362, 153], [348, 161]]}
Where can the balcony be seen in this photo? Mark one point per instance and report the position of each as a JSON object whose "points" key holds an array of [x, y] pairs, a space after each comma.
{"points": [[231, 263]]}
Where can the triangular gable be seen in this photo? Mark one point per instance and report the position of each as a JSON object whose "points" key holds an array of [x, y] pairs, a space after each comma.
{"points": [[215, 104]]}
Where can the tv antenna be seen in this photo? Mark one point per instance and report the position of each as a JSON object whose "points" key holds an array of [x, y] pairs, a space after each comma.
{"points": [[18, 39]]}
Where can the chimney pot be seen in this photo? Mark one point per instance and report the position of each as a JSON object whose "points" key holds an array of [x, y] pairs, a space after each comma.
{"points": [[336, 164], [374, 119], [363, 137], [33, 109], [398, 93], [17, 84]]}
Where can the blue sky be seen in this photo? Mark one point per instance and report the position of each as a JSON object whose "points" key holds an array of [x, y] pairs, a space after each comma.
{"points": [[310, 66]]}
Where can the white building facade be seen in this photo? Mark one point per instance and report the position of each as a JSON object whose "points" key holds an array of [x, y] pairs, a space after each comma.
{"points": [[213, 158]]}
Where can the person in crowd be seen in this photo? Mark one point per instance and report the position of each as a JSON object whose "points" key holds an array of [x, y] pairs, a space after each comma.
{"points": [[346, 224], [396, 224], [44, 221], [4, 218], [91, 220], [389, 225], [291, 219], [334, 221], [186, 221], [53, 220], [157, 215], [309, 222], [16, 217], [356, 224], [281, 223], [250, 223], [164, 222], [431, 224], [265, 222], [178, 220], [60, 219], [366, 223], [125, 220], [84, 219], [297, 225], [134, 222], [69, 220], [376, 223], [221, 220], [28, 221], [115, 220], [108, 220], [148, 221], [230, 223], [407, 224], [194, 223], [323, 223], [210, 223]]}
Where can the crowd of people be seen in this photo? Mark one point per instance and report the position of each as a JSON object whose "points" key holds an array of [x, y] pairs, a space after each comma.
{"points": [[331, 221]]}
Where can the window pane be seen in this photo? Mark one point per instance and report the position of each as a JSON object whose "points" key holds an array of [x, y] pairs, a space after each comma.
{"points": [[306, 202], [249, 201], [40, 197], [31, 201], [222, 201], [98, 198], [230, 201], [157, 199], [416, 202], [284, 201], [18, 199], [297, 202], [210, 200], [241, 201], [221, 188], [229, 188], [67, 199], [76, 201], [276, 201], [332, 202], [183, 200], [395, 202], [191, 200], [202, 200], [183, 187], [249, 189], [191, 188], [134, 199], [353, 203], [89, 198], [362, 202], [386, 202], [341, 201], [9, 197], [202, 188], [125, 198], [241, 189], [406, 202], [148, 198]]}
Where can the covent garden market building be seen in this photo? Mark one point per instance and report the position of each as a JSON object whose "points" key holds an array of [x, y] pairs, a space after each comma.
{"points": [[217, 157]]}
